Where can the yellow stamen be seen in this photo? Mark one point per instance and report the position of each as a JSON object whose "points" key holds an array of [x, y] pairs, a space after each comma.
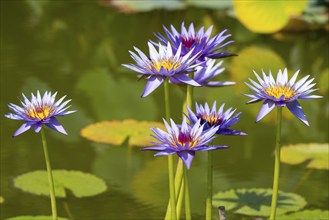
{"points": [[166, 64], [39, 112], [277, 91], [212, 119]]}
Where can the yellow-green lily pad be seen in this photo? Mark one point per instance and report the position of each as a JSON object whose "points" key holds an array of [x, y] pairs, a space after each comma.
{"points": [[257, 202], [1, 199], [314, 154], [79, 183], [40, 217], [138, 133], [267, 16], [307, 215]]}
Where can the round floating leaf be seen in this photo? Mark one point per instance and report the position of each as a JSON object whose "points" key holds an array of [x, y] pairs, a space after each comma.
{"points": [[79, 183], [211, 4], [307, 215], [40, 217], [315, 154], [267, 16], [116, 132], [129, 6], [257, 202], [261, 16]]}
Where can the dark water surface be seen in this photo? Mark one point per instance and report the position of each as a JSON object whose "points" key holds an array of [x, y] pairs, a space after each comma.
{"points": [[77, 49]]}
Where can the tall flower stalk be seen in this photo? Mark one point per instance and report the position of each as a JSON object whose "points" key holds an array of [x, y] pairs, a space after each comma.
{"points": [[276, 164], [50, 177], [36, 112], [222, 120], [280, 92], [170, 159]]}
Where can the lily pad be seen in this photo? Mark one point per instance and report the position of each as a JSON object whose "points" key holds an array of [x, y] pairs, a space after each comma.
{"points": [[314, 154], [307, 215], [1, 199], [129, 6], [79, 183], [116, 132], [257, 202], [266, 16], [40, 217]]}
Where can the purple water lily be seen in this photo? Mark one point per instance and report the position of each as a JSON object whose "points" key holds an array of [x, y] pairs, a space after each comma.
{"points": [[221, 119], [162, 65], [281, 92], [39, 110], [184, 140], [200, 41]]}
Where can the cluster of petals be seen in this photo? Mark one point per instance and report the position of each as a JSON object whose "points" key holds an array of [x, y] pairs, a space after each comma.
{"points": [[179, 55], [184, 140], [163, 64], [220, 119], [200, 40], [281, 92], [39, 110]]}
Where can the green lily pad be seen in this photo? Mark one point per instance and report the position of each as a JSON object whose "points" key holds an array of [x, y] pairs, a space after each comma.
{"points": [[40, 217], [1, 199], [267, 16], [315, 154], [116, 132], [257, 202], [79, 183], [130, 6], [307, 215]]}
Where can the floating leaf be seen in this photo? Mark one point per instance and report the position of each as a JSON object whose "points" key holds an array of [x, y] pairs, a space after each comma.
{"points": [[129, 6], [254, 58], [257, 202], [267, 16], [1, 199], [116, 132], [307, 215], [79, 183], [211, 4], [315, 154], [40, 217]]}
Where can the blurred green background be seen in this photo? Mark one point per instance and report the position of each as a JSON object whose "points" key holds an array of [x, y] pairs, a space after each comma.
{"points": [[77, 48]]}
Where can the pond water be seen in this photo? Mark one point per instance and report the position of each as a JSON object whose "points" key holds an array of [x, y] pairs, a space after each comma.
{"points": [[77, 49]]}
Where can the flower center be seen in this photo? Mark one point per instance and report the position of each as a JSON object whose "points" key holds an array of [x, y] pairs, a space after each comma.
{"points": [[277, 91], [39, 112], [184, 138], [166, 64], [188, 42], [211, 119]]}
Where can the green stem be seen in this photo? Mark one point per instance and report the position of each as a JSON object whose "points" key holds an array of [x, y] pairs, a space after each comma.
{"points": [[276, 165], [189, 98], [170, 158], [50, 176], [209, 186], [187, 196], [178, 190]]}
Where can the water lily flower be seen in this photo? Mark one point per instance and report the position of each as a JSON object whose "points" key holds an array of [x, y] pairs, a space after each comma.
{"points": [[39, 110], [184, 140], [221, 119], [162, 65], [281, 92], [199, 40]]}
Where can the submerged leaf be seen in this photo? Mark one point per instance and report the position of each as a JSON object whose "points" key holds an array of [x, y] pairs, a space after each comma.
{"points": [[40, 217], [116, 132], [257, 202], [307, 215], [79, 183], [315, 154]]}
